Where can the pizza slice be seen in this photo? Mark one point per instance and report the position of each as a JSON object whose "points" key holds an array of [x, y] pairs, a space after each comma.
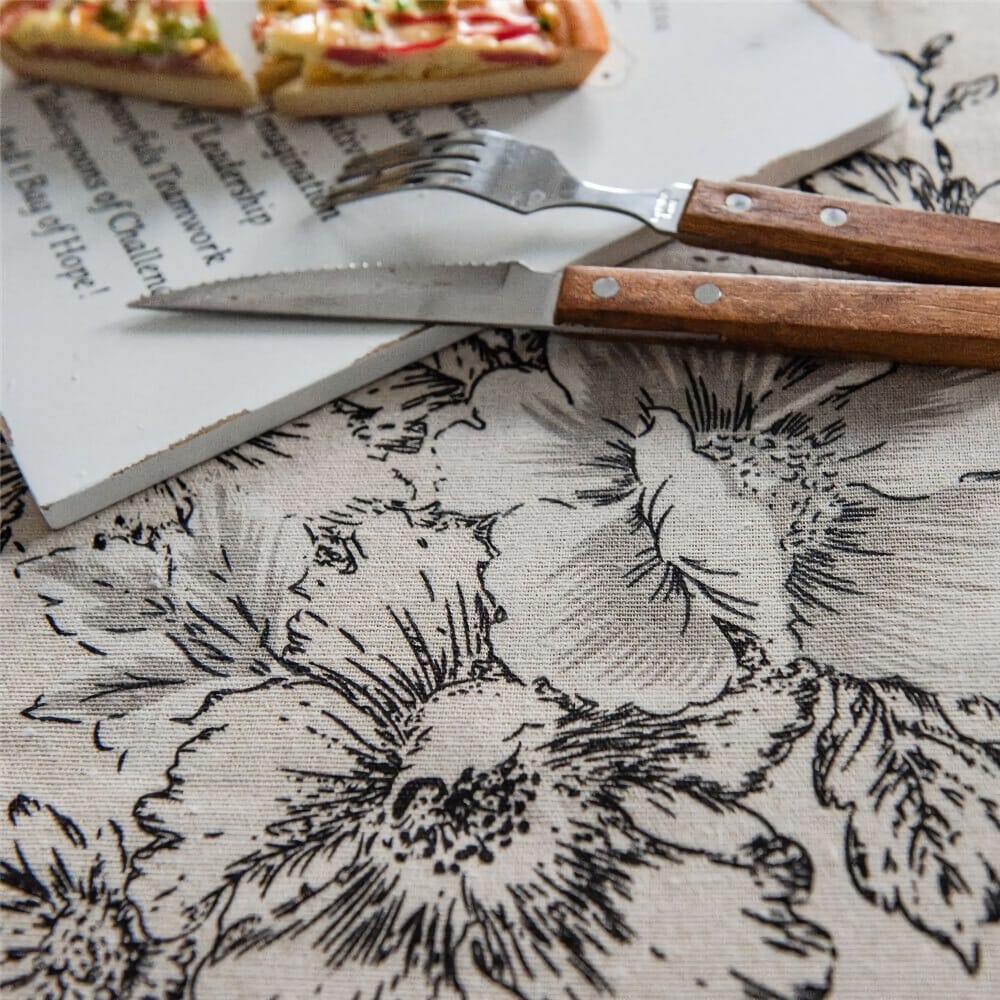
{"points": [[161, 49], [325, 57]]}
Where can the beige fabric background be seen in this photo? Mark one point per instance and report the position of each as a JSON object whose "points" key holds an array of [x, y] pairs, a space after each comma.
{"points": [[541, 669]]}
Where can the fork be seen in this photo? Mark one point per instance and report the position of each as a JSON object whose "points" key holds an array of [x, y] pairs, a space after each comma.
{"points": [[501, 169], [744, 218]]}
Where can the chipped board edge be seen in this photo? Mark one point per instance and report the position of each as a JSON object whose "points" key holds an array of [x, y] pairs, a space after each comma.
{"points": [[240, 427]]}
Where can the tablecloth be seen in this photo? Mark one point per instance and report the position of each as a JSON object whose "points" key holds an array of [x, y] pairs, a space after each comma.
{"points": [[541, 668]]}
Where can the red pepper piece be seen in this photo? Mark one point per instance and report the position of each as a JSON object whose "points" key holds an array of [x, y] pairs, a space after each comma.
{"points": [[357, 57], [375, 55], [497, 26], [511, 30], [416, 17]]}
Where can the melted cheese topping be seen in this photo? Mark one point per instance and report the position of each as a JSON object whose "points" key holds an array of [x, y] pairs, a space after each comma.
{"points": [[351, 39], [145, 29]]}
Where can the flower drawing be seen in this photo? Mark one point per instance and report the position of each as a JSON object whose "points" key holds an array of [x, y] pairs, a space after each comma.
{"points": [[498, 840], [643, 496], [69, 932]]}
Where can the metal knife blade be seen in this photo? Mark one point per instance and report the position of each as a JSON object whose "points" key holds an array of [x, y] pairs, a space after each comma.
{"points": [[504, 294]]}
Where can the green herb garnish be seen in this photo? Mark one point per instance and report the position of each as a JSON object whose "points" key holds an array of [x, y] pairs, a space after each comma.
{"points": [[175, 30], [145, 47], [181, 29], [208, 30], [111, 18]]}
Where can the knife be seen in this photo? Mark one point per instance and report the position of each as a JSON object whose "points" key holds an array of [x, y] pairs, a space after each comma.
{"points": [[919, 323]]}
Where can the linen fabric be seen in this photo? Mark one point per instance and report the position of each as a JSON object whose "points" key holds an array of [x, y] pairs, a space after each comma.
{"points": [[541, 668]]}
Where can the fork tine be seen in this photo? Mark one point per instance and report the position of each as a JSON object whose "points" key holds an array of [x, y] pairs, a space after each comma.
{"points": [[441, 143], [415, 160], [451, 173], [379, 186], [445, 165], [399, 173], [390, 155]]}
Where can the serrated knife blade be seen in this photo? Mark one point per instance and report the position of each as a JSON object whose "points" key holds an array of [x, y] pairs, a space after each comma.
{"points": [[919, 323], [504, 294]]}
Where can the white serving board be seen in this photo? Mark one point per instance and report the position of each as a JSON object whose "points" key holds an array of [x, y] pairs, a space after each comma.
{"points": [[100, 401]]}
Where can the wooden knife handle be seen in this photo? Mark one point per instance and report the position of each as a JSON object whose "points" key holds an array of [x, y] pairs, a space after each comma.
{"points": [[848, 235], [922, 324]]}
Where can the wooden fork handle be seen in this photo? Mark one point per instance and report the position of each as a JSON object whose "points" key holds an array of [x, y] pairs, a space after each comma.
{"points": [[852, 236], [922, 324]]}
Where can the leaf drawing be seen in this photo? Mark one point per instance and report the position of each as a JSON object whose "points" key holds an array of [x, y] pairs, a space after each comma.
{"points": [[208, 607], [971, 91], [923, 805], [933, 183]]}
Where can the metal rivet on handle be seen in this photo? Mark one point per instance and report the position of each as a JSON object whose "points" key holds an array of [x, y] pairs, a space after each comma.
{"points": [[605, 288], [708, 293], [739, 202], [831, 216]]}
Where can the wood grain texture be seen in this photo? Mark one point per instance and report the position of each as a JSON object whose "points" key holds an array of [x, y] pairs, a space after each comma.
{"points": [[875, 239], [922, 324]]}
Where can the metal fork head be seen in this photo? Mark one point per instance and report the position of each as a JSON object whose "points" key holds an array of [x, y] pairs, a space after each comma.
{"points": [[479, 162], [501, 169]]}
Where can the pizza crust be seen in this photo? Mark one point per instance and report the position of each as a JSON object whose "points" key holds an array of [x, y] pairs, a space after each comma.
{"points": [[586, 26], [587, 43], [273, 71], [190, 88], [301, 99]]}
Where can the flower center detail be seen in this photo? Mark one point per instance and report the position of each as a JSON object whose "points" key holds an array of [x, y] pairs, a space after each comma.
{"points": [[87, 947], [478, 814]]}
